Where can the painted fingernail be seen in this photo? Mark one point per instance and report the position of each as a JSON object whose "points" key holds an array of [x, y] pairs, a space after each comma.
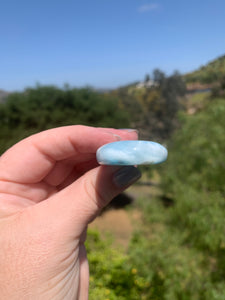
{"points": [[116, 136], [129, 130], [125, 176]]}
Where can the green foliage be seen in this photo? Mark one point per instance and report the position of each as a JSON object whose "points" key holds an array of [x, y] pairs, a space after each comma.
{"points": [[154, 109], [171, 88], [180, 250], [211, 73], [198, 100], [45, 107], [176, 254], [113, 276], [200, 214], [196, 154]]}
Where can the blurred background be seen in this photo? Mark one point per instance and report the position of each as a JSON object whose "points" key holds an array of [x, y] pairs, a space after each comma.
{"points": [[158, 66]]}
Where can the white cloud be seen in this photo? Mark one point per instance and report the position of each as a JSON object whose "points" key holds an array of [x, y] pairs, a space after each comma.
{"points": [[148, 7]]}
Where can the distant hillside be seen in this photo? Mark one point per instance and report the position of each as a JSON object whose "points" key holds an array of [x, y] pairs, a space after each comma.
{"points": [[210, 74], [3, 95]]}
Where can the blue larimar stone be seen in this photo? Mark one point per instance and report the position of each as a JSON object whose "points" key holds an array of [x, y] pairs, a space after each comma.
{"points": [[127, 153]]}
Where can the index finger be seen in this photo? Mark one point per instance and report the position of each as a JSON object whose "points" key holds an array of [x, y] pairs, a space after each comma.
{"points": [[30, 160]]}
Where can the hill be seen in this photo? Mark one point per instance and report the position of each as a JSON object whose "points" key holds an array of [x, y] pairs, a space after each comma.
{"points": [[208, 75], [3, 95]]}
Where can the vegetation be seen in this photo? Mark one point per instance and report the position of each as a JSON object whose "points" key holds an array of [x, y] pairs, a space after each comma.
{"points": [[212, 73], [197, 151], [178, 250], [42, 108], [113, 275], [154, 109]]}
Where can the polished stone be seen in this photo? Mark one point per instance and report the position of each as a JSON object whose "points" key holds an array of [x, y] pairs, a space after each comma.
{"points": [[131, 153]]}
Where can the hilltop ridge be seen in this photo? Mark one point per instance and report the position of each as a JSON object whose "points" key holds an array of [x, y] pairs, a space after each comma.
{"points": [[209, 74], [205, 77]]}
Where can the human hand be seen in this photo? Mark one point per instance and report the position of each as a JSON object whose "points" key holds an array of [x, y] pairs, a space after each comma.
{"points": [[51, 187]]}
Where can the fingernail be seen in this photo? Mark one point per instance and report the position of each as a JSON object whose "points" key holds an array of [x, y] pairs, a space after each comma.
{"points": [[116, 136], [126, 176], [129, 130]]}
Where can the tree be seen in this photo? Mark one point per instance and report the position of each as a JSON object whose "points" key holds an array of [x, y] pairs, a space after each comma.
{"points": [[158, 76], [147, 78], [44, 107]]}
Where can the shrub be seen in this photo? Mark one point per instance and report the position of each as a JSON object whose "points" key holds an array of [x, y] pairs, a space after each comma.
{"points": [[196, 153], [42, 108], [113, 276]]}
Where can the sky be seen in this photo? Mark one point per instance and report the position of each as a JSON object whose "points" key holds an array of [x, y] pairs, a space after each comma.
{"points": [[105, 43]]}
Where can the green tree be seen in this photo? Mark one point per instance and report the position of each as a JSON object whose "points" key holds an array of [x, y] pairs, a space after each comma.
{"points": [[40, 108], [158, 76], [147, 78], [197, 151]]}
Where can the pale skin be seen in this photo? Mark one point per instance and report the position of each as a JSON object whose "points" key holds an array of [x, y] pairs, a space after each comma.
{"points": [[51, 188]]}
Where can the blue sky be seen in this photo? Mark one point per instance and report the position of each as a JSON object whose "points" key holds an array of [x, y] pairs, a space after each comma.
{"points": [[105, 43]]}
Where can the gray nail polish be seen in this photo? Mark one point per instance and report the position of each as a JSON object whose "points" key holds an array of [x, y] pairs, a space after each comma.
{"points": [[126, 176], [129, 129], [116, 136]]}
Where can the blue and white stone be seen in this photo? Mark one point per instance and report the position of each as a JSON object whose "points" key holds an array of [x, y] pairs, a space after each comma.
{"points": [[126, 153]]}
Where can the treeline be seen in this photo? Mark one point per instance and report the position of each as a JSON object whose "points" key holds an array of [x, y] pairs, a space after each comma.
{"points": [[153, 110], [41, 108]]}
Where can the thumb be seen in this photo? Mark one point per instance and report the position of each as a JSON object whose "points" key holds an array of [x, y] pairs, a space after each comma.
{"points": [[78, 204]]}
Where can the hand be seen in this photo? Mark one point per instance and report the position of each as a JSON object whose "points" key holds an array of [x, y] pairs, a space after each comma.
{"points": [[51, 187]]}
